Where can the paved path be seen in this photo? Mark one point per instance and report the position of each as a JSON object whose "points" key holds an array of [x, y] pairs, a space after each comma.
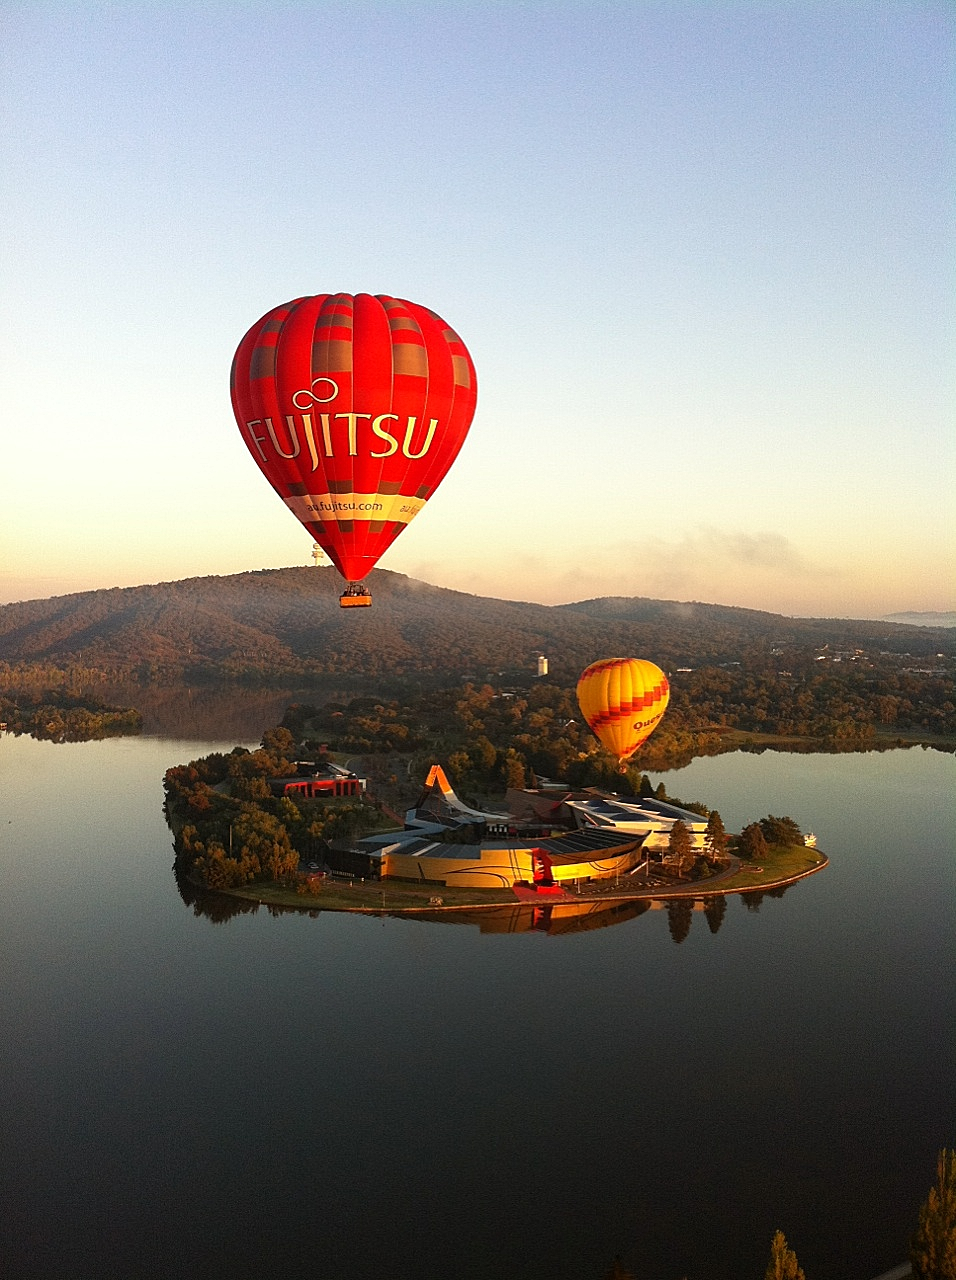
{"points": [[635, 886]]}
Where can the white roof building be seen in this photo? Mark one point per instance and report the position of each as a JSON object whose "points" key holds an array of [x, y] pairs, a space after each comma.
{"points": [[638, 815]]}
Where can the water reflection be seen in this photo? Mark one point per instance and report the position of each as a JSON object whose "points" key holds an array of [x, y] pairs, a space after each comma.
{"points": [[556, 919], [218, 713], [714, 910], [550, 918], [156, 1073]]}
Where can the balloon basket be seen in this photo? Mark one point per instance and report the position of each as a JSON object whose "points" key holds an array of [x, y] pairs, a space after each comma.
{"points": [[355, 596]]}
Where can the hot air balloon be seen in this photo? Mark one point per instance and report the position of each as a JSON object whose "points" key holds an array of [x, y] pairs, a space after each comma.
{"points": [[623, 700], [354, 408]]}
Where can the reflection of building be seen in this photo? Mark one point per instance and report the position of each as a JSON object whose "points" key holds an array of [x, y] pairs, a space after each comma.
{"points": [[548, 839], [553, 918]]}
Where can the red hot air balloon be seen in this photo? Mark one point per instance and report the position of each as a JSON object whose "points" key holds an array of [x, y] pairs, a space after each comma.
{"points": [[354, 408]]}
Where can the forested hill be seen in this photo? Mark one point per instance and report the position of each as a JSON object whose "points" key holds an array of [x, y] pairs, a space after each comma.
{"points": [[287, 622]]}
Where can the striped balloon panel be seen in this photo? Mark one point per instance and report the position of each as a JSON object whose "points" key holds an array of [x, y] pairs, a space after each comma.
{"points": [[354, 408], [623, 701]]}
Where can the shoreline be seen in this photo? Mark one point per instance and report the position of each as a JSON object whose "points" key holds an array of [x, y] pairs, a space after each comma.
{"points": [[398, 897]]}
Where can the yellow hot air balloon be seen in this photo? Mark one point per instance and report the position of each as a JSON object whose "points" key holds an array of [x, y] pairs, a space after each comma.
{"points": [[623, 700]]}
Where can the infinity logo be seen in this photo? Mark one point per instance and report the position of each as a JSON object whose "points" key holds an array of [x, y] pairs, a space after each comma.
{"points": [[304, 399]]}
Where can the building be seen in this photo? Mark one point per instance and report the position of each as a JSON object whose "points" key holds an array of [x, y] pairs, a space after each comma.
{"points": [[433, 856], [544, 841], [313, 781], [644, 816], [640, 815]]}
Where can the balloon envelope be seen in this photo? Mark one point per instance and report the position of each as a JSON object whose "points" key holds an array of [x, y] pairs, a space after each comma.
{"points": [[623, 701], [354, 408]]}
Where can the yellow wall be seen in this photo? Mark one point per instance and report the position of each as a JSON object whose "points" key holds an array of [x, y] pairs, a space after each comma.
{"points": [[499, 868]]}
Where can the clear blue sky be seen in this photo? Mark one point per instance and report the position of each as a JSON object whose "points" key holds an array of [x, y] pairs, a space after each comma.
{"points": [[702, 254]]}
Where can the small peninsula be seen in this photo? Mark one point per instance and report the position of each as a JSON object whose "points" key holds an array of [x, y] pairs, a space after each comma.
{"points": [[294, 825]]}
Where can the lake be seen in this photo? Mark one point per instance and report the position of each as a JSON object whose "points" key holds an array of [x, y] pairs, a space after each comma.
{"points": [[338, 1096]]}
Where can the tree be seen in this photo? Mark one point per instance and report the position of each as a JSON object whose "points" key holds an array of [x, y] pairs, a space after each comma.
{"points": [[783, 1263], [781, 831], [459, 762], [751, 843], [261, 838], [680, 847], [483, 754], [512, 770], [933, 1247], [715, 837], [279, 742]]}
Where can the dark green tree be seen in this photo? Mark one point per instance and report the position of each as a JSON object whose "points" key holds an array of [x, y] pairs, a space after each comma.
{"points": [[680, 847], [933, 1247], [783, 1263], [483, 754], [751, 843], [715, 837], [780, 830]]}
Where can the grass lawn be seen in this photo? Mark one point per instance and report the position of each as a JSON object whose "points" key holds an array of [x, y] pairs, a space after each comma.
{"points": [[340, 895], [783, 862]]}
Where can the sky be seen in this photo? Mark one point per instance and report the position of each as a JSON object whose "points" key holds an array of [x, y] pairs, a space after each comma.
{"points": [[701, 254]]}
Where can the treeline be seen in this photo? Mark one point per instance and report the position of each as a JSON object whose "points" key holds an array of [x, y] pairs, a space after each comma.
{"points": [[230, 830], [58, 704], [851, 702], [818, 706], [65, 717], [490, 738]]}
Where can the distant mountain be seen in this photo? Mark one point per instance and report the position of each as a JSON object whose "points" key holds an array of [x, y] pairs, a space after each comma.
{"points": [[287, 623], [947, 619]]}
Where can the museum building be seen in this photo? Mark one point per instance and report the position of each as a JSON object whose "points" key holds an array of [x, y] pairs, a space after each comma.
{"points": [[549, 836]]}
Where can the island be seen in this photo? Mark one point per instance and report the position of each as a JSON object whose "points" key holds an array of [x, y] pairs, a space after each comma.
{"points": [[295, 826]]}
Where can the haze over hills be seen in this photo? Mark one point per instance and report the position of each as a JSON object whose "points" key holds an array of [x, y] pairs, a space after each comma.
{"points": [[288, 622], [945, 619]]}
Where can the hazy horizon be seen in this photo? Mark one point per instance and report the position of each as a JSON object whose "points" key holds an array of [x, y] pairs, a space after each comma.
{"points": [[943, 618]]}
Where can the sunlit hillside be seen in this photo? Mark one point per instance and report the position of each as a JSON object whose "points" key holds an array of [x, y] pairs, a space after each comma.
{"points": [[287, 622]]}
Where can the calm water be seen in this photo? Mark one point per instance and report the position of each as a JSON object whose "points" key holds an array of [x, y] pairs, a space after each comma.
{"points": [[346, 1097]]}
